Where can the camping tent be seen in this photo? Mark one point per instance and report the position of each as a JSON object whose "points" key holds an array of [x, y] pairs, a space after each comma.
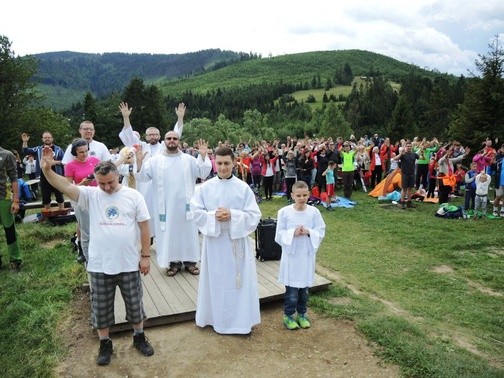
{"points": [[388, 185]]}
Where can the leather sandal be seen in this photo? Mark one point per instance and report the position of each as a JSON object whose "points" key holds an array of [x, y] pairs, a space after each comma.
{"points": [[193, 269], [172, 271]]}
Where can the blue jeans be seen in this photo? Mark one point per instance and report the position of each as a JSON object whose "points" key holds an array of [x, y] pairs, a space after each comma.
{"points": [[296, 299]]}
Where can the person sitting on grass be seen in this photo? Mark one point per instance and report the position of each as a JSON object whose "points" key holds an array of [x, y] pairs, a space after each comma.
{"points": [[300, 230]]}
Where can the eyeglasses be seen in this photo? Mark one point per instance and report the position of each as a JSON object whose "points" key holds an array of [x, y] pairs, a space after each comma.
{"points": [[171, 138]]}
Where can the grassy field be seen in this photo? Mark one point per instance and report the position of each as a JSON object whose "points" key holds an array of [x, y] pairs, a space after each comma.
{"points": [[427, 291]]}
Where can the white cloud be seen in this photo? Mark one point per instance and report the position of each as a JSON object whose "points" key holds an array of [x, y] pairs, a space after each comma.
{"points": [[441, 34]]}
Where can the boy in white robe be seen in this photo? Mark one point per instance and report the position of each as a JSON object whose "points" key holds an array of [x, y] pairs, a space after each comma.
{"points": [[226, 212], [300, 230]]}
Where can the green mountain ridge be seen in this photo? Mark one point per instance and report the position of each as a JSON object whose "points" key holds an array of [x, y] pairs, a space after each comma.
{"points": [[64, 77]]}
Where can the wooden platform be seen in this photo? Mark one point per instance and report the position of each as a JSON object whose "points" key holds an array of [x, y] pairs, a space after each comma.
{"points": [[173, 299]]}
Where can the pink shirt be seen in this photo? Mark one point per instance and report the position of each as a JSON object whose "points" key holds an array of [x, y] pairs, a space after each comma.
{"points": [[78, 170]]}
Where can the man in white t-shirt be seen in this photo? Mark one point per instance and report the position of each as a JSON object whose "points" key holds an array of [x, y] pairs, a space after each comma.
{"points": [[115, 213], [96, 149]]}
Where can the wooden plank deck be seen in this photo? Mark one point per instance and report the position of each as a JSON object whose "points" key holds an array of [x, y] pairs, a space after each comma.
{"points": [[173, 299]]}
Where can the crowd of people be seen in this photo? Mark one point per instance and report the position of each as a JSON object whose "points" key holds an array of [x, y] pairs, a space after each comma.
{"points": [[434, 168], [160, 190]]}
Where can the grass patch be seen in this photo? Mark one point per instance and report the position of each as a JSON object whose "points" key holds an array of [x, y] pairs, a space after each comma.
{"points": [[36, 299], [427, 291]]}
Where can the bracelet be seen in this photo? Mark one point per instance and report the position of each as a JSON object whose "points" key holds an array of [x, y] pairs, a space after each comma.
{"points": [[146, 256]]}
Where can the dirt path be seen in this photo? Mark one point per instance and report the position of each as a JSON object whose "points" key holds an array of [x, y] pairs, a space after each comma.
{"points": [[329, 349]]}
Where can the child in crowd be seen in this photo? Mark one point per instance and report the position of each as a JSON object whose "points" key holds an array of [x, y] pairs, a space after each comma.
{"points": [[459, 176], [470, 187], [300, 230], [482, 185], [432, 176], [329, 175]]}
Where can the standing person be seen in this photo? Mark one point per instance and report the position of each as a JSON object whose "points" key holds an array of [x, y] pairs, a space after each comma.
{"points": [[151, 147], [116, 212], [30, 167], [174, 174], [482, 184], [96, 149], [470, 187], [375, 166], [46, 189], [407, 158], [306, 165], [499, 183], [330, 182], [300, 230], [268, 164], [255, 168], [9, 205], [322, 161], [290, 173], [226, 212], [80, 172], [432, 176], [445, 172], [347, 169]]}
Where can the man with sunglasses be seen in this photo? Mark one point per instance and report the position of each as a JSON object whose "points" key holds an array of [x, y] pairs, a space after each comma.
{"points": [[173, 176], [151, 147]]}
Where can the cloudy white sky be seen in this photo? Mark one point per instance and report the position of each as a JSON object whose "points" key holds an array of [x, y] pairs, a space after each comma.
{"points": [[446, 35]]}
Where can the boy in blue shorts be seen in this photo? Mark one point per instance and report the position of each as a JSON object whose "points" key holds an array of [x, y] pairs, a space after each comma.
{"points": [[300, 230]]}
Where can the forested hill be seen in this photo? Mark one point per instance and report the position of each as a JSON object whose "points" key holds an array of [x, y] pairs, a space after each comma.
{"points": [[64, 77], [300, 70]]}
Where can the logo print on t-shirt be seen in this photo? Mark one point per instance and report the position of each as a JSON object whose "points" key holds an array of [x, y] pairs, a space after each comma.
{"points": [[112, 213]]}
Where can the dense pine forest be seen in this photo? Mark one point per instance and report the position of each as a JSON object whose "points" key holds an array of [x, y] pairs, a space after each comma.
{"points": [[245, 97]]}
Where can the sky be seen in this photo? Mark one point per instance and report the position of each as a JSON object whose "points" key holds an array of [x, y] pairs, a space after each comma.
{"points": [[438, 35]]}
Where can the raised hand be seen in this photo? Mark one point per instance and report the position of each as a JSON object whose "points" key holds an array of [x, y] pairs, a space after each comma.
{"points": [[202, 148], [180, 110], [125, 110], [47, 158]]}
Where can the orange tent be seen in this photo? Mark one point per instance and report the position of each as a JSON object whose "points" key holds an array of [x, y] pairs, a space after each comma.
{"points": [[388, 185]]}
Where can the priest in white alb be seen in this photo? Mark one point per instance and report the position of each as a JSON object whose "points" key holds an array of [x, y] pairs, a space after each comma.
{"points": [[150, 148], [173, 175], [226, 213]]}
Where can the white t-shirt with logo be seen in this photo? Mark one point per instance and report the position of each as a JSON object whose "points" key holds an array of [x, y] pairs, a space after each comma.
{"points": [[113, 224]]}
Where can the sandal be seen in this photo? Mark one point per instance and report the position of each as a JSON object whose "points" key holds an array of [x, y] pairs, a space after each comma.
{"points": [[172, 271], [193, 269]]}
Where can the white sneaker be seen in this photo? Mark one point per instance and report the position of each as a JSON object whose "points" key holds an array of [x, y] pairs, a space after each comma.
{"points": [[502, 214], [495, 214]]}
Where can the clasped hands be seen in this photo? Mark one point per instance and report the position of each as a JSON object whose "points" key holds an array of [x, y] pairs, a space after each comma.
{"points": [[301, 230], [222, 214]]}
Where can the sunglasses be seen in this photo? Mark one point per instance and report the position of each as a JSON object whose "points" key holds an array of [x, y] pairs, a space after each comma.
{"points": [[171, 138]]}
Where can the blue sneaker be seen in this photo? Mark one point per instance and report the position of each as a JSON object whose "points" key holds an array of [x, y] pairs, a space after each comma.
{"points": [[290, 323]]}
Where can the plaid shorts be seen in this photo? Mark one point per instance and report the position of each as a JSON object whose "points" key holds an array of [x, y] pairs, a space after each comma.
{"points": [[103, 288]]}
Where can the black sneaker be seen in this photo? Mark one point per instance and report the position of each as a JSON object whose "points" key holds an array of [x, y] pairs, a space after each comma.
{"points": [[140, 342], [105, 352]]}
